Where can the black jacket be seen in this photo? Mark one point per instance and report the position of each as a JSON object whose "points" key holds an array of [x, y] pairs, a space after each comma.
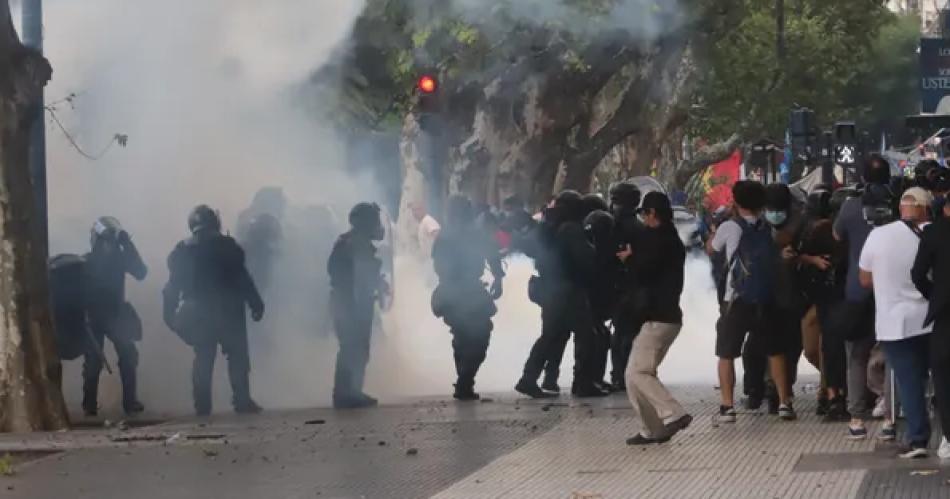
{"points": [[658, 262], [208, 279], [931, 271], [355, 274]]}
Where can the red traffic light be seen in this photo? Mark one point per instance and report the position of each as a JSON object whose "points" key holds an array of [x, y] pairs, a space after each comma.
{"points": [[427, 84]]}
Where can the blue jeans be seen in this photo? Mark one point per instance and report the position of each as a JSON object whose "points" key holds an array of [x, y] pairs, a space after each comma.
{"points": [[910, 360]]}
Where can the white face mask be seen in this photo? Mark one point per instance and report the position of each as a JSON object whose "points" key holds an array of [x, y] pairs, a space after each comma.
{"points": [[751, 219]]}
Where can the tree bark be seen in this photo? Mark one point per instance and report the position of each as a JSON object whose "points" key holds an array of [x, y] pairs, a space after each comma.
{"points": [[30, 372]]}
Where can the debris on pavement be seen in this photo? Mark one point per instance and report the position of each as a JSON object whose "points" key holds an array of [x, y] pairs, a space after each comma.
{"points": [[315, 421], [210, 453], [412, 452], [6, 466], [923, 472]]}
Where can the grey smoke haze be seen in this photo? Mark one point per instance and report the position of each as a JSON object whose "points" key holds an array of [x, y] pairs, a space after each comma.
{"points": [[207, 92]]}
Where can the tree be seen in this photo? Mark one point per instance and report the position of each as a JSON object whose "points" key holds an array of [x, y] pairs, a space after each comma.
{"points": [[30, 371]]}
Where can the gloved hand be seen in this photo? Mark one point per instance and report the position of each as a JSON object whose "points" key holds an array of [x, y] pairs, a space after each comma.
{"points": [[496, 289], [257, 314]]}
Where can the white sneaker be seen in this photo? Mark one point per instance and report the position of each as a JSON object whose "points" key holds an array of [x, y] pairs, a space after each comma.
{"points": [[944, 450], [879, 409]]}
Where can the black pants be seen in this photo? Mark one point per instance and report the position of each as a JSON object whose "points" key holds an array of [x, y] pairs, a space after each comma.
{"points": [[234, 348], [470, 341], [92, 364], [940, 370], [601, 352], [354, 330], [755, 352], [833, 355], [564, 311]]}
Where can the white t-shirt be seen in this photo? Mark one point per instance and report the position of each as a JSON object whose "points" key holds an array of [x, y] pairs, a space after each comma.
{"points": [[889, 255]]}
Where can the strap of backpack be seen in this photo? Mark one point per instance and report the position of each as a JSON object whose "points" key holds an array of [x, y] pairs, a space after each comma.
{"points": [[914, 228]]}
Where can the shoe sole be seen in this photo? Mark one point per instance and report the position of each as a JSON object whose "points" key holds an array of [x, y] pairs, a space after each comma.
{"points": [[914, 455], [857, 437], [727, 419]]}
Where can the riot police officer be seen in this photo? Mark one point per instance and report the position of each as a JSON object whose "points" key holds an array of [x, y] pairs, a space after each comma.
{"points": [[208, 290], [460, 254], [566, 267], [624, 202], [356, 284], [113, 255]]}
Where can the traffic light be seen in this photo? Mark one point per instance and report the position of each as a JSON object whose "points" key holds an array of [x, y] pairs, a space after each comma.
{"points": [[428, 102], [427, 85]]}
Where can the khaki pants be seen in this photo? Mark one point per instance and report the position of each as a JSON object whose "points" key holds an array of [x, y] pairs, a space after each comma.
{"points": [[650, 399]]}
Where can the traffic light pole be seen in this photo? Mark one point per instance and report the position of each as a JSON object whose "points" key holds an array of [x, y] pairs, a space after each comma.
{"points": [[33, 37]]}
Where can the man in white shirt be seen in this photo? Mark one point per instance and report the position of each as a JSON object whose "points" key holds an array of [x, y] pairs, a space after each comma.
{"points": [[429, 229], [885, 265]]}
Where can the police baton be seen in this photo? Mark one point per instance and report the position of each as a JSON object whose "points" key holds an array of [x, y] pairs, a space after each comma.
{"points": [[99, 350]]}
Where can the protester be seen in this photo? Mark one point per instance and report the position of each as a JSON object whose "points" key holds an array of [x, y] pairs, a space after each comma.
{"points": [[659, 261], [855, 316], [885, 263], [931, 275], [750, 301]]}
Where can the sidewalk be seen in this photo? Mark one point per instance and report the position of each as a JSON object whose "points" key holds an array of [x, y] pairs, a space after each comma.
{"points": [[506, 447]]}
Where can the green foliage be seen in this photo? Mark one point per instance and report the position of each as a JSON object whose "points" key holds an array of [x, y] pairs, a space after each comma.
{"points": [[845, 60]]}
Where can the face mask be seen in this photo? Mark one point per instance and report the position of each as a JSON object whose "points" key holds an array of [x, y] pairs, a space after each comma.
{"points": [[775, 217], [750, 219]]}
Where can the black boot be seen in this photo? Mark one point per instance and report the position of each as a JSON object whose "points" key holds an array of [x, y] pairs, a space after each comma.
{"points": [[822, 408], [837, 411], [465, 392], [771, 396]]}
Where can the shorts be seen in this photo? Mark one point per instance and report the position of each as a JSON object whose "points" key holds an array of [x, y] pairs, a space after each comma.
{"points": [[761, 322]]}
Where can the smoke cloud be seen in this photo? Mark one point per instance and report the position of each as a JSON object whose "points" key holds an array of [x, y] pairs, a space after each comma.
{"points": [[209, 94]]}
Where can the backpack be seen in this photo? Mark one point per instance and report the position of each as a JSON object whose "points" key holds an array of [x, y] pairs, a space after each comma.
{"points": [[753, 264]]}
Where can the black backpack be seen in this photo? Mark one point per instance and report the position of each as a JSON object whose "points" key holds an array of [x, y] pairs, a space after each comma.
{"points": [[753, 264]]}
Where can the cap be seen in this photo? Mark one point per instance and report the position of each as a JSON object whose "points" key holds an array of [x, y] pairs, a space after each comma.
{"points": [[920, 196]]}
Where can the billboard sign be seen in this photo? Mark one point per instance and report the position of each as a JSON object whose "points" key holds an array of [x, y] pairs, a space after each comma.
{"points": [[934, 73]]}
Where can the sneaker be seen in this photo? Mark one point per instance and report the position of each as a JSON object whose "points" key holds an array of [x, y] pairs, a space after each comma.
{"points": [[587, 390], [879, 409], [727, 414], [249, 407], [914, 451], [889, 432], [837, 411], [823, 406], [639, 439], [786, 412], [532, 390], [944, 451], [550, 385], [679, 424], [857, 431]]}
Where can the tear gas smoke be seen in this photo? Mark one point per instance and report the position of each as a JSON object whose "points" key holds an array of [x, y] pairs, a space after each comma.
{"points": [[208, 95]]}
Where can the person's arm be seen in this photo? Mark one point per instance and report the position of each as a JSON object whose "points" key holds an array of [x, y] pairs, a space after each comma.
{"points": [[924, 263], [866, 263], [133, 260], [246, 285], [171, 293]]}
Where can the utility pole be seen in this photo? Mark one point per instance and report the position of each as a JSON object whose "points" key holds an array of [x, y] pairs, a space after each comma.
{"points": [[33, 37]]}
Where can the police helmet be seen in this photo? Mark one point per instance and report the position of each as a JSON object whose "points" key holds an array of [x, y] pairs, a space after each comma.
{"points": [[105, 229], [595, 202], [599, 225], [625, 195], [204, 218]]}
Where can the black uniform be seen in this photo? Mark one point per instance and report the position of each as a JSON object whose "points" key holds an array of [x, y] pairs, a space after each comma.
{"points": [[566, 268], [460, 255], [355, 280], [205, 298], [632, 301], [113, 256]]}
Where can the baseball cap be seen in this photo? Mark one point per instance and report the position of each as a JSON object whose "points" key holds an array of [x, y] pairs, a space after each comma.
{"points": [[920, 196]]}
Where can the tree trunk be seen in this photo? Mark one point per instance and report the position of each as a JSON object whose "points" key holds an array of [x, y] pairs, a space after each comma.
{"points": [[30, 372]]}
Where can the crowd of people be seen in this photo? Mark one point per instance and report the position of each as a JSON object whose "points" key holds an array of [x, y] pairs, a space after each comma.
{"points": [[852, 278]]}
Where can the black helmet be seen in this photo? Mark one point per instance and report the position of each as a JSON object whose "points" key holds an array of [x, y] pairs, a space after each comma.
{"points": [[204, 218], [595, 202], [571, 205], [365, 219], [624, 196], [105, 229]]}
